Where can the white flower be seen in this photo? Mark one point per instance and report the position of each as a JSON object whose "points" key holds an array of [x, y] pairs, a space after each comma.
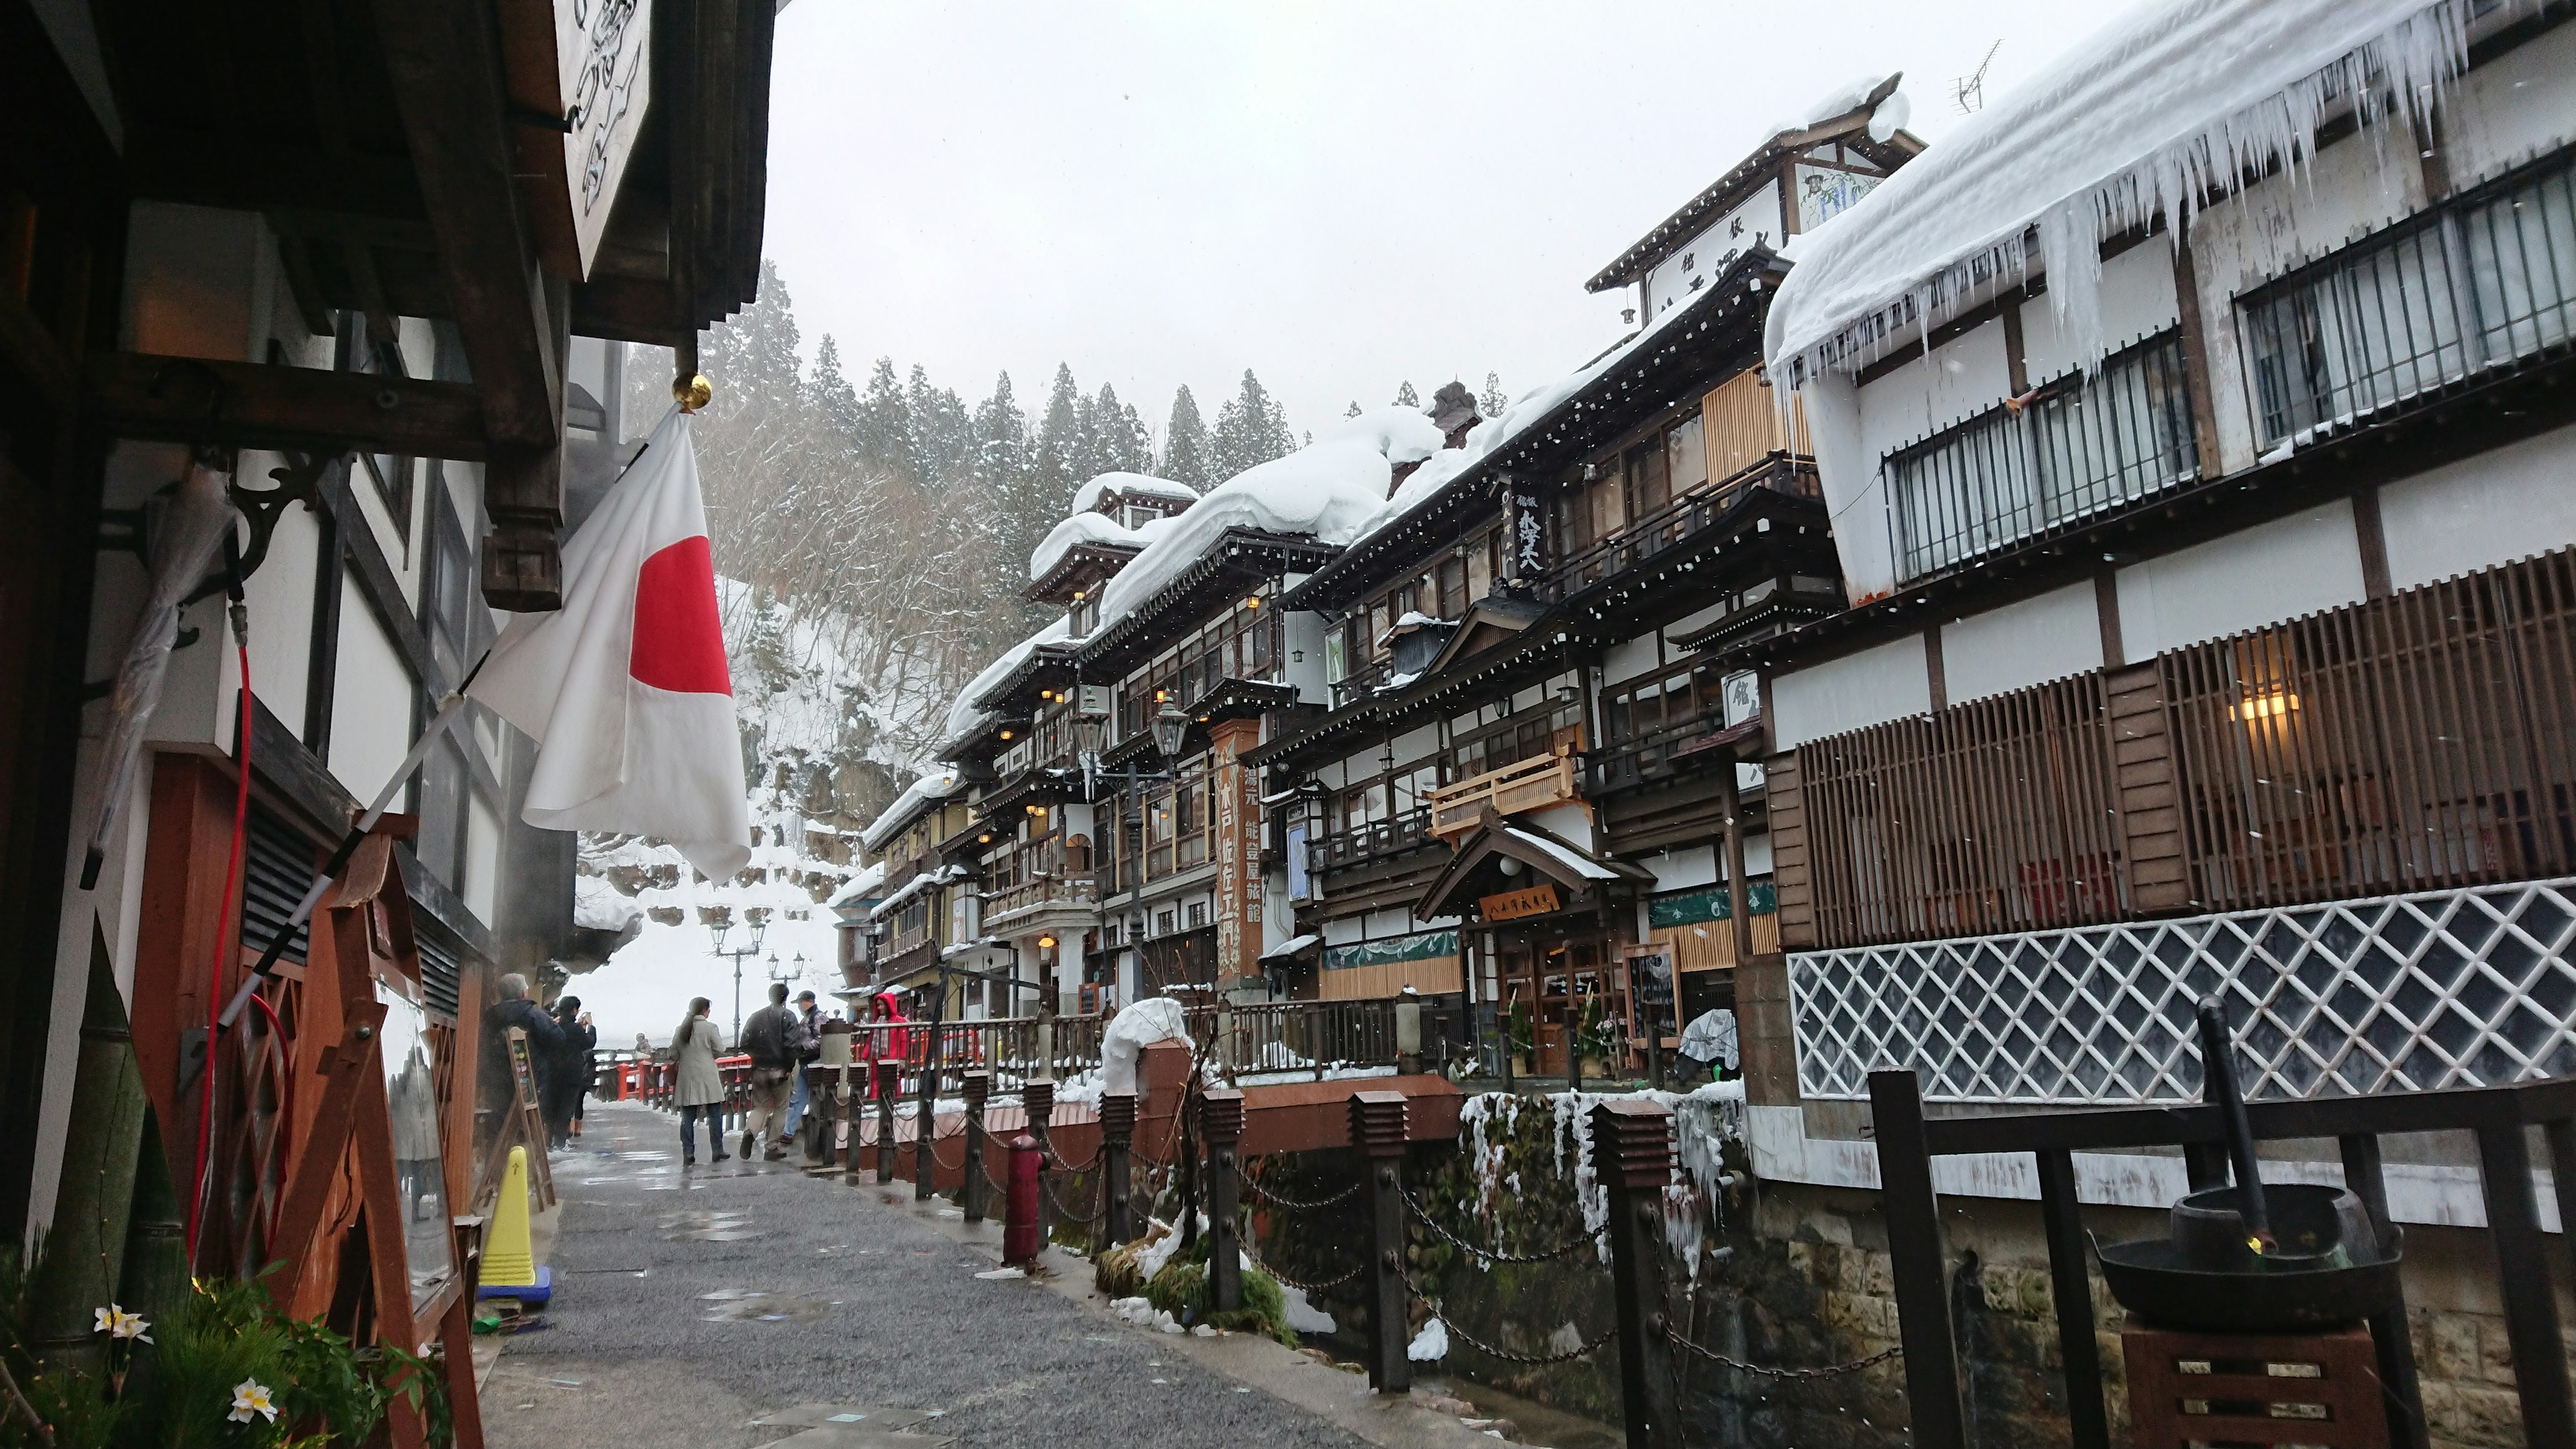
{"points": [[115, 1322], [251, 1397]]}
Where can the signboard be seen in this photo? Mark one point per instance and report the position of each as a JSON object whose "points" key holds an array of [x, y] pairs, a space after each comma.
{"points": [[580, 77], [1753, 222], [1535, 900], [1299, 888], [1238, 849], [1525, 526], [1650, 995]]}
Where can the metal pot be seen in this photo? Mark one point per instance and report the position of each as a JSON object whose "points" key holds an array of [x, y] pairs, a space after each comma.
{"points": [[2308, 1224]]}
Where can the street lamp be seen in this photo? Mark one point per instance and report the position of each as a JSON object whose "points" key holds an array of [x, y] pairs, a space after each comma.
{"points": [[1169, 725], [719, 924]]}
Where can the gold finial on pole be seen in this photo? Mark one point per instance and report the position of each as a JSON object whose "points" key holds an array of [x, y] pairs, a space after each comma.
{"points": [[692, 392]]}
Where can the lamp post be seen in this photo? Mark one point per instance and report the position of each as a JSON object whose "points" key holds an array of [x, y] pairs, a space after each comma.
{"points": [[719, 923]]}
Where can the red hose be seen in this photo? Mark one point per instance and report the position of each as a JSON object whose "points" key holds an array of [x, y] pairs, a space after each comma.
{"points": [[215, 983]]}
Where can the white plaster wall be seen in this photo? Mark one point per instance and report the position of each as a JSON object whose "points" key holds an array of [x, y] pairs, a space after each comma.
{"points": [[2029, 642], [1871, 687], [2265, 574], [280, 596], [1415, 745], [1963, 376], [482, 857], [2511, 503], [2138, 300], [371, 708], [2504, 113], [1572, 823], [1682, 870], [1629, 658]]}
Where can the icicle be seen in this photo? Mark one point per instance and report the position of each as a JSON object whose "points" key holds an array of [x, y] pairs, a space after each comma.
{"points": [[2070, 248]]}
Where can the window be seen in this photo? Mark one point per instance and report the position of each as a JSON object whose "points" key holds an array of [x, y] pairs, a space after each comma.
{"points": [[1686, 456], [1198, 914], [1337, 653], [1649, 486], [1162, 923]]}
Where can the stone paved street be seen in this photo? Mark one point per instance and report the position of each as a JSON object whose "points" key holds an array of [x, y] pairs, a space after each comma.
{"points": [[690, 1304]]}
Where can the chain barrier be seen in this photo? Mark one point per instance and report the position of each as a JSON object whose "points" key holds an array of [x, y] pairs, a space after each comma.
{"points": [[1565, 1249], [1275, 1200], [1065, 1213], [1769, 1371], [1063, 1166], [1506, 1355], [1302, 1287]]}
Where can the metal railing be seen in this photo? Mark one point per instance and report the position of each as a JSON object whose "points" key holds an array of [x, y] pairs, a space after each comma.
{"points": [[1082, 889], [1367, 842], [2482, 281], [1360, 683], [2068, 451], [1659, 754], [1676, 523]]}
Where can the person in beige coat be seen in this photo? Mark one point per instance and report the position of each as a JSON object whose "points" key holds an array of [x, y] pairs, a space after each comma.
{"points": [[701, 1090]]}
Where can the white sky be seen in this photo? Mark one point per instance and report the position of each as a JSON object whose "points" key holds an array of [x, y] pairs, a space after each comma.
{"points": [[1342, 196]]}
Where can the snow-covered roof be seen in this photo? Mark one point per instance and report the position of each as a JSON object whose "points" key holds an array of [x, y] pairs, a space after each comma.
{"points": [[941, 782], [599, 906], [968, 714], [1331, 490], [1573, 860], [927, 880], [1091, 528], [859, 887], [1846, 98], [1130, 485], [2162, 104], [1291, 947]]}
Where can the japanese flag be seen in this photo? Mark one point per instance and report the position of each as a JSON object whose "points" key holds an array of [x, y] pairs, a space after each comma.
{"points": [[625, 688]]}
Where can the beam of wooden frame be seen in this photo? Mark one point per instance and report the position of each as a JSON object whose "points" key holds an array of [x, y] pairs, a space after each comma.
{"points": [[289, 409], [206, 168]]}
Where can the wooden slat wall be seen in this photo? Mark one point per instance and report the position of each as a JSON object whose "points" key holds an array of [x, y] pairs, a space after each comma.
{"points": [[2151, 836], [1432, 976], [1740, 425], [1710, 945], [1785, 799]]}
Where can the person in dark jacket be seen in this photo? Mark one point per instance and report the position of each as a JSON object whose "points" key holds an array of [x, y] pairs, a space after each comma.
{"points": [[570, 1078], [769, 1038], [511, 1007]]}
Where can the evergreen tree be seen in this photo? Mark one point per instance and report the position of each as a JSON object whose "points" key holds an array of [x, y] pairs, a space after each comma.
{"points": [[1493, 402], [1406, 397], [832, 392], [1353, 410], [1186, 445], [1119, 441], [885, 420], [1251, 429], [1059, 442]]}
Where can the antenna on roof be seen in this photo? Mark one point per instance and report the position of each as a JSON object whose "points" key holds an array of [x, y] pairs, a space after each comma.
{"points": [[1968, 92]]}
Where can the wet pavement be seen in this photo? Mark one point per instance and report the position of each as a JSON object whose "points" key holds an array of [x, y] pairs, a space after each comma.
{"points": [[745, 1304]]}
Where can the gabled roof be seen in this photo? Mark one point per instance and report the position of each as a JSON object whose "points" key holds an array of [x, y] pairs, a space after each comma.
{"points": [[1578, 872], [1747, 176], [1488, 622]]}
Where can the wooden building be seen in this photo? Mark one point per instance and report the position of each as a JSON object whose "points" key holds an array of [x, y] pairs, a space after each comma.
{"points": [[360, 268]]}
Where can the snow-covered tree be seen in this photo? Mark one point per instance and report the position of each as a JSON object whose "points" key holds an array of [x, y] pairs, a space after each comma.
{"points": [[1251, 428], [1406, 397], [1493, 401], [1353, 410], [1186, 446]]}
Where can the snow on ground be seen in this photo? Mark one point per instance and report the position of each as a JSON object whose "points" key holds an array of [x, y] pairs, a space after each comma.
{"points": [[2165, 102]]}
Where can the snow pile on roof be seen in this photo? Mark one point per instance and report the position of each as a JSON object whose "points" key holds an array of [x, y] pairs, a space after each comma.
{"points": [[1330, 490], [945, 875], [599, 906], [2165, 103], [939, 784], [1130, 485], [1842, 100], [968, 714], [1573, 860], [1134, 1028], [1091, 528], [861, 886]]}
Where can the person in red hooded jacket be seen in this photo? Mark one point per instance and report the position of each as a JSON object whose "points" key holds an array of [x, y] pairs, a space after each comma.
{"points": [[888, 1038]]}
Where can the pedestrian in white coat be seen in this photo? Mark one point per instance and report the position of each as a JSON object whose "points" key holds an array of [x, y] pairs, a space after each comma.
{"points": [[701, 1087]]}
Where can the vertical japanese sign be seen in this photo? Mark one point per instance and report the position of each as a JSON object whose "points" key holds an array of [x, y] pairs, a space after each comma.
{"points": [[1525, 525], [1238, 849]]}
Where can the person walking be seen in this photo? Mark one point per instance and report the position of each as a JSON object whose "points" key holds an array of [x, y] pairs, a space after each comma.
{"points": [[892, 1039], [805, 1044], [700, 1090], [768, 1038]]}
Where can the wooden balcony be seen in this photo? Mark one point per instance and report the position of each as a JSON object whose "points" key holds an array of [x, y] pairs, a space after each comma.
{"points": [[1002, 906], [1514, 789]]}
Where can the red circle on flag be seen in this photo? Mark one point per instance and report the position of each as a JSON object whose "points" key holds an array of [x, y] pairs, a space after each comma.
{"points": [[678, 643]]}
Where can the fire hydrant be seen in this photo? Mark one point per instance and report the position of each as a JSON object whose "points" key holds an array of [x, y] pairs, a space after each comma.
{"points": [[1020, 1225]]}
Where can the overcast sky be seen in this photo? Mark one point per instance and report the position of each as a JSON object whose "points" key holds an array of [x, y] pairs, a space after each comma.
{"points": [[1340, 196]]}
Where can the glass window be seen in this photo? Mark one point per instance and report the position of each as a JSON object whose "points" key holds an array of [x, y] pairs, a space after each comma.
{"points": [[1686, 456]]}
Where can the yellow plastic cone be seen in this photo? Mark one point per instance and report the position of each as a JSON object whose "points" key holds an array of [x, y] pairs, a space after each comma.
{"points": [[508, 1259]]}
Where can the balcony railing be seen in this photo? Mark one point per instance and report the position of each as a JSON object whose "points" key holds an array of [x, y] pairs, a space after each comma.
{"points": [[1361, 683], [2072, 450], [1660, 754], [1030, 895], [1367, 842], [2484, 281], [1533, 784], [1677, 523]]}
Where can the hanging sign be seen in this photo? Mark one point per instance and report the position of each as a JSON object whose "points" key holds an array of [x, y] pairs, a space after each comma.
{"points": [[1535, 900], [1525, 525]]}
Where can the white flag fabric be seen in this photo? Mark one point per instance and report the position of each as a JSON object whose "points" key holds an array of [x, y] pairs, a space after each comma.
{"points": [[625, 688]]}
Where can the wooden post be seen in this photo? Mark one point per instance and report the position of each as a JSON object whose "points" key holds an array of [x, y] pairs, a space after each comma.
{"points": [[2388, 1328], [1377, 1130], [889, 1082], [1117, 1130], [1221, 1127], [1914, 1247], [979, 1084], [2522, 1255], [1632, 1156], [925, 1123], [2088, 1423]]}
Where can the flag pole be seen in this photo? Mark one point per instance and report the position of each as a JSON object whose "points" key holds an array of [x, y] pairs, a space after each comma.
{"points": [[448, 710]]}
